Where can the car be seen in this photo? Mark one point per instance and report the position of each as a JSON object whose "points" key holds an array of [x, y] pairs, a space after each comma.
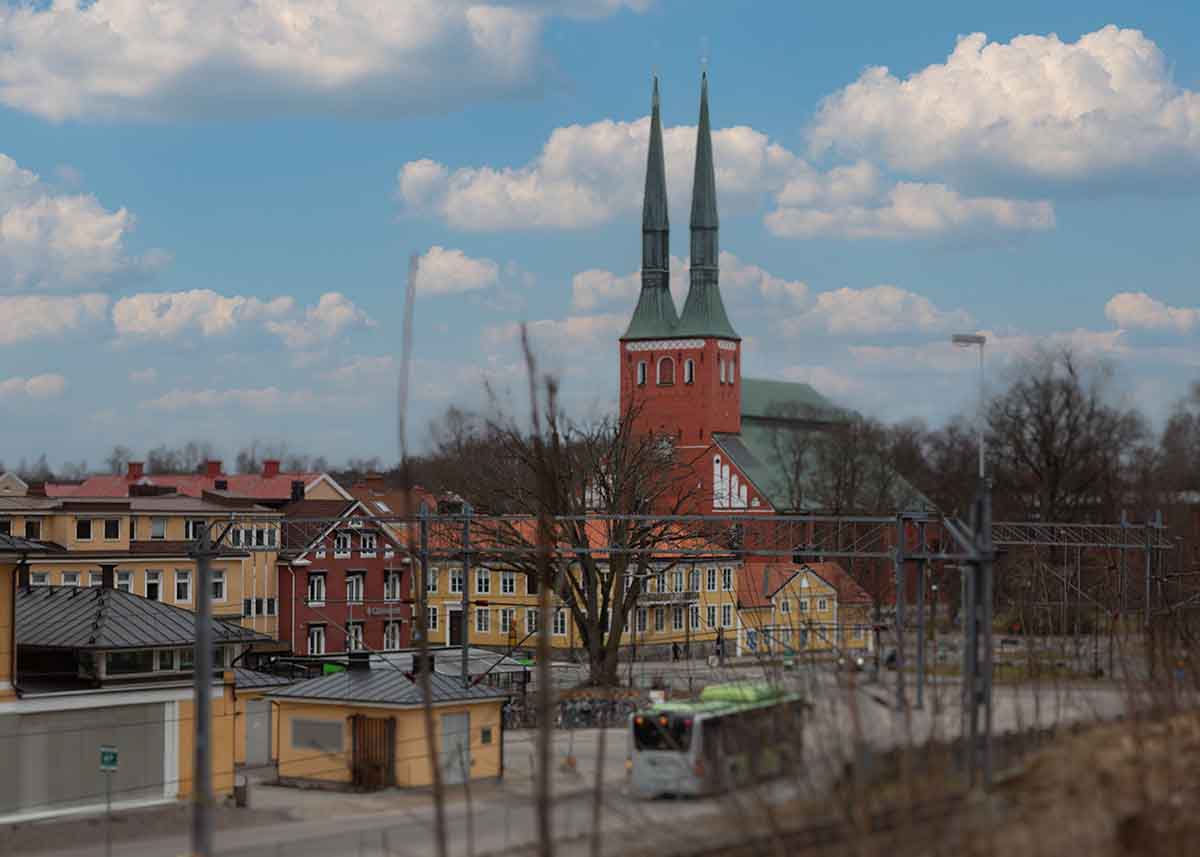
{"points": [[852, 663]]}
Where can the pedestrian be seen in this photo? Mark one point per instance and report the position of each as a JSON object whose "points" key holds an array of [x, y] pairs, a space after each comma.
{"points": [[674, 651]]}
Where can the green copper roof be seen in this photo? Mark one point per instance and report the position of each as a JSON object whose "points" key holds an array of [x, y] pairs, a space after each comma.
{"points": [[655, 316], [704, 312], [785, 399]]}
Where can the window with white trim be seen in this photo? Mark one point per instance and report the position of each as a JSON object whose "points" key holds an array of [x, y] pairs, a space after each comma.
{"points": [[785, 605], [694, 580], [803, 605], [316, 639], [391, 635], [193, 528], [712, 615], [711, 574], [316, 589], [727, 579], [641, 373], [183, 586], [96, 578], [83, 529], [677, 617], [154, 585], [33, 529], [506, 619], [678, 580], [508, 583], [726, 615], [158, 528], [822, 604], [689, 371], [354, 587], [694, 611], [354, 637], [391, 586], [367, 544], [456, 580], [218, 586], [721, 369], [531, 620], [431, 581], [560, 622], [483, 581], [660, 619], [641, 620], [341, 545], [483, 620], [125, 581], [112, 529], [431, 618], [39, 578]]}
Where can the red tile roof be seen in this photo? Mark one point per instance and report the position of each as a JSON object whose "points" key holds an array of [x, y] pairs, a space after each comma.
{"points": [[254, 485], [750, 590], [848, 589]]}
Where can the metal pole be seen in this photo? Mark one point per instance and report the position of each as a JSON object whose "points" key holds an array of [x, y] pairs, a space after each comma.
{"points": [[982, 460], [108, 813], [970, 651], [987, 569], [921, 617], [1149, 571], [466, 535], [901, 699], [202, 660], [423, 584]]}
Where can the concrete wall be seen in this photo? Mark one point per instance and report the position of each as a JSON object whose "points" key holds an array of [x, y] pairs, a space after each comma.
{"points": [[412, 760]]}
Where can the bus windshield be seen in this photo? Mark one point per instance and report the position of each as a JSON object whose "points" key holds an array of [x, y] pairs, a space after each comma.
{"points": [[662, 732]]}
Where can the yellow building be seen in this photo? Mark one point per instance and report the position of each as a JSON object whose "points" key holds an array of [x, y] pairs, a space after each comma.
{"points": [[365, 728], [810, 608], [99, 669], [148, 540]]}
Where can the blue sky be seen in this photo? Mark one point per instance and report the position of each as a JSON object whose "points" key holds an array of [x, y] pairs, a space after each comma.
{"points": [[205, 219]]}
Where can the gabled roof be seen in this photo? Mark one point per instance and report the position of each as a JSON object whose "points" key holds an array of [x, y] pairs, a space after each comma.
{"points": [[848, 589], [757, 585], [792, 400], [384, 685], [72, 617]]}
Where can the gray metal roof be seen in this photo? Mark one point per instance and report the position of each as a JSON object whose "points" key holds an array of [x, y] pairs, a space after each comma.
{"points": [[448, 661], [15, 544], [73, 617], [247, 679], [383, 685]]}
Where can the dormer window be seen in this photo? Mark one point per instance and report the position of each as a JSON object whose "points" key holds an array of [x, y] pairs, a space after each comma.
{"points": [[666, 372], [641, 373], [689, 371]]}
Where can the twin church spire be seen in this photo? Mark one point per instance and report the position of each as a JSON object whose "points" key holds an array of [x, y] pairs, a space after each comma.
{"points": [[703, 312]]}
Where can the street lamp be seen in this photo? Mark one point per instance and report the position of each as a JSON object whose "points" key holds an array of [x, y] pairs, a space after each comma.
{"points": [[970, 340]]}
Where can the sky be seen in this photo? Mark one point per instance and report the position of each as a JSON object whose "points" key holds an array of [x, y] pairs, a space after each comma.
{"points": [[208, 207]]}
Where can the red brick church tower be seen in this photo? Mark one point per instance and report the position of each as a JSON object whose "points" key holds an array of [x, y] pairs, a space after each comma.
{"points": [[682, 373]]}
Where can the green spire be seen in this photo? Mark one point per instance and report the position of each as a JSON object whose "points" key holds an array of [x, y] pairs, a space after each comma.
{"points": [[703, 311], [655, 315]]}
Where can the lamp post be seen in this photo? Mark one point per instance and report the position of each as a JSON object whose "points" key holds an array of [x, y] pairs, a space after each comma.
{"points": [[971, 340]]}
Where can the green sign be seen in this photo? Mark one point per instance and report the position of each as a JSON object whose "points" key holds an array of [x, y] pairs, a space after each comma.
{"points": [[108, 758]]}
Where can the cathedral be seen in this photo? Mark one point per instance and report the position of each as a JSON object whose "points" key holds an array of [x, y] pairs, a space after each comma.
{"points": [[681, 371]]}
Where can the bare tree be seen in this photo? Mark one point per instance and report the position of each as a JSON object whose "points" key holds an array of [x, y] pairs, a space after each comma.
{"points": [[118, 460]]}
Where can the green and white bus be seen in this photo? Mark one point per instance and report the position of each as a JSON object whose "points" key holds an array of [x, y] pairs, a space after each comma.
{"points": [[733, 735]]}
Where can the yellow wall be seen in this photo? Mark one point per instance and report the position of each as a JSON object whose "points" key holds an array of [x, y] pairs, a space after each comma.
{"points": [[412, 758], [223, 742], [7, 575]]}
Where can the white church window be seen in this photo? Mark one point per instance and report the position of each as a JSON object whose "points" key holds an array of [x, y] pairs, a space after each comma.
{"points": [[689, 371]]}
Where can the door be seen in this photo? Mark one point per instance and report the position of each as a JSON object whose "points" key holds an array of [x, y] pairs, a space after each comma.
{"points": [[456, 748], [374, 751], [258, 732], [456, 627]]}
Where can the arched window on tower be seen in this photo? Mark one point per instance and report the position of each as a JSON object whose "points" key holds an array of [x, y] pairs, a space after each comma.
{"points": [[689, 371], [666, 372], [641, 373], [721, 369], [732, 370]]}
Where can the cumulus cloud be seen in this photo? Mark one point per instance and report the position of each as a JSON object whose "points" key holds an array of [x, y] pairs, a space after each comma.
{"points": [[943, 356], [739, 280], [262, 399], [582, 333], [443, 271], [122, 59], [333, 315], [589, 174], [1139, 310], [166, 315], [829, 381], [1035, 106], [51, 240], [47, 386], [364, 370], [144, 376], [879, 309], [28, 317]]}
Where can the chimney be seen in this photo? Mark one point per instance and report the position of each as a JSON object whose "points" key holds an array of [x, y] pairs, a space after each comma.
{"points": [[212, 468], [422, 663], [297, 490], [359, 662], [108, 576], [136, 470], [270, 467], [23, 579]]}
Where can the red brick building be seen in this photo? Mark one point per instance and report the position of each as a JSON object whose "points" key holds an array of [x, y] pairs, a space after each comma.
{"points": [[347, 589]]}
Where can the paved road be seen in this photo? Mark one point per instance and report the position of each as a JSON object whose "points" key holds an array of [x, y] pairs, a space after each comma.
{"points": [[501, 816]]}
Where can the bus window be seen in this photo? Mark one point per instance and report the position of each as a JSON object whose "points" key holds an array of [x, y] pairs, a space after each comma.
{"points": [[662, 732]]}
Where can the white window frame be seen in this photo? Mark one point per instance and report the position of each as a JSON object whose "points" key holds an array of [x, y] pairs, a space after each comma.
{"points": [[689, 371], [104, 530], [218, 585], [726, 615], [560, 622], [356, 586], [356, 635], [641, 619], [711, 615], [677, 617], [677, 580], [91, 529], [507, 614], [124, 581], [660, 619], [641, 373], [316, 580], [822, 604], [73, 577], [483, 620], [727, 579], [483, 581], [803, 605], [39, 578], [392, 585], [694, 580], [456, 581], [785, 605], [341, 544], [711, 579], [431, 580], [158, 529], [392, 634], [694, 616], [183, 577], [156, 577], [368, 544], [531, 620], [431, 618], [95, 578], [508, 583], [316, 634], [192, 527]]}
